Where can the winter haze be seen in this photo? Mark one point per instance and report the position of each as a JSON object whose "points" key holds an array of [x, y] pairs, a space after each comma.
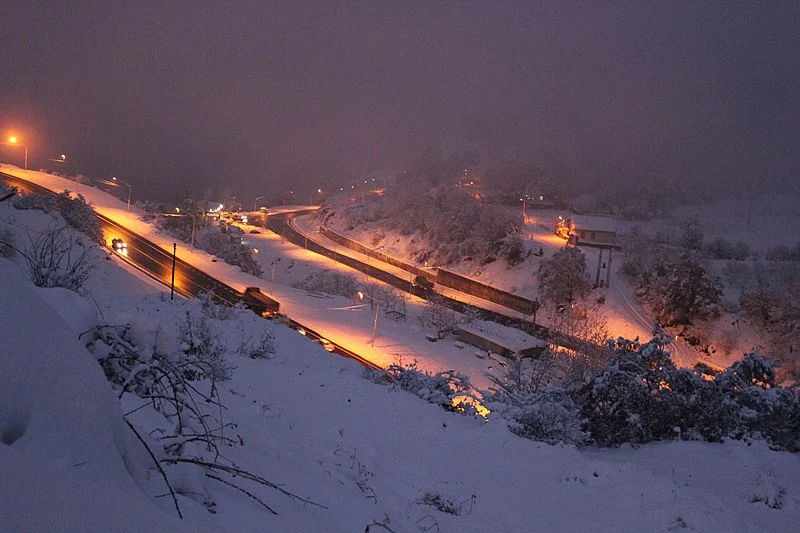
{"points": [[252, 98]]}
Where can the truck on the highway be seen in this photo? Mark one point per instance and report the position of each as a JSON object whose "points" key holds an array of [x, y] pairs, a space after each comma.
{"points": [[423, 283], [259, 302]]}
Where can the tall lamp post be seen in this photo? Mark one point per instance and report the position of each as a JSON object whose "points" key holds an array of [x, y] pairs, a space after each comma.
{"points": [[114, 183], [361, 296], [129, 192], [272, 264], [14, 141]]}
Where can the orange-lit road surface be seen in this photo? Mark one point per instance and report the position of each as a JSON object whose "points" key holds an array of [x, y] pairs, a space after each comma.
{"points": [[157, 263], [279, 223]]}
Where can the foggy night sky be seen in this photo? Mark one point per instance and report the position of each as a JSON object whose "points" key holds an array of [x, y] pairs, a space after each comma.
{"points": [[264, 96]]}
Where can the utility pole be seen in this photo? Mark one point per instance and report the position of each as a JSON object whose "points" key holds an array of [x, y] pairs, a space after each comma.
{"points": [[608, 274], [172, 286], [599, 261], [375, 322]]}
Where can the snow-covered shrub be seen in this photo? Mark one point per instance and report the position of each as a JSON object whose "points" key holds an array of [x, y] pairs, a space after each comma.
{"points": [[692, 236], [547, 414], [721, 249], [512, 249], [440, 388], [80, 215], [187, 441], [76, 211], [765, 409], [229, 248], [767, 490], [639, 397], [214, 309], [58, 257], [262, 348], [40, 202], [7, 241], [200, 342], [784, 253], [330, 282], [180, 227]]}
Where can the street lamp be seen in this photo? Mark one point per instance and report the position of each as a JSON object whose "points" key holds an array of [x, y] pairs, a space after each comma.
{"points": [[13, 141], [114, 183], [361, 296], [272, 264], [255, 203], [113, 178]]}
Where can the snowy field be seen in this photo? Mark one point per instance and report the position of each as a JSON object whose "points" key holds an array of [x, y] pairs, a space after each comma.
{"points": [[367, 456]]}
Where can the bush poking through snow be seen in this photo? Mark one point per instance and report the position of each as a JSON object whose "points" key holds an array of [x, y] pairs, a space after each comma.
{"points": [[641, 397], [263, 348], [201, 343], [442, 388], [58, 257], [182, 388], [330, 282], [76, 211], [7, 248], [547, 415]]}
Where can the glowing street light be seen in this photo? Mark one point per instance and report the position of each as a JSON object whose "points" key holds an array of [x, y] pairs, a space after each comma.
{"points": [[14, 141], [272, 264], [115, 183], [361, 296]]}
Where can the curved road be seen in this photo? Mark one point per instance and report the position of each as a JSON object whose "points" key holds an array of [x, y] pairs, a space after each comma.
{"points": [[157, 263], [279, 223]]}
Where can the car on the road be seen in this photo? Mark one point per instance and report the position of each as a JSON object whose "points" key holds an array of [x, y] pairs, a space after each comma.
{"points": [[255, 231], [328, 345], [423, 283], [119, 245]]}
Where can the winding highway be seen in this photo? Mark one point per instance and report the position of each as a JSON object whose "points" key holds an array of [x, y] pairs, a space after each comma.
{"points": [[280, 223], [190, 281]]}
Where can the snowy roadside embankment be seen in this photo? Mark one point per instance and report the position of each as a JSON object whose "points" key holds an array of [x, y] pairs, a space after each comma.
{"points": [[69, 462]]}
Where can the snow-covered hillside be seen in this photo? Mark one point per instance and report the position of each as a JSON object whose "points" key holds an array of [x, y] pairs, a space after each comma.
{"points": [[365, 456]]}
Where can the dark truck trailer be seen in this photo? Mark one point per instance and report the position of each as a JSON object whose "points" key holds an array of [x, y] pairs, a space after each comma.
{"points": [[259, 302], [423, 283]]}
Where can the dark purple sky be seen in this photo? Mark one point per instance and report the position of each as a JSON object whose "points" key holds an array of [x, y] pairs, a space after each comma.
{"points": [[262, 96]]}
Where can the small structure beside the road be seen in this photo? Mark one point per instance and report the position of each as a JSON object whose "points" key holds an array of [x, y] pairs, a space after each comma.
{"points": [[589, 230], [500, 339]]}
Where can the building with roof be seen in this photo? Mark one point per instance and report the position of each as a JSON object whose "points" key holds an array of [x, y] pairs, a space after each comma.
{"points": [[587, 230]]}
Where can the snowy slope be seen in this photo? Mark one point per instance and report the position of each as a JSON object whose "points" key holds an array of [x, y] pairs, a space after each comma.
{"points": [[312, 424]]}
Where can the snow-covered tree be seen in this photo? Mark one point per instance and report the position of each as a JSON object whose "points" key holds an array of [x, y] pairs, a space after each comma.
{"points": [[438, 316], [562, 279], [639, 397], [229, 248], [680, 292]]}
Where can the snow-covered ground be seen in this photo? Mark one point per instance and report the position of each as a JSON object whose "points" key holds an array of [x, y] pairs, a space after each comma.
{"points": [[347, 322], [313, 425]]}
